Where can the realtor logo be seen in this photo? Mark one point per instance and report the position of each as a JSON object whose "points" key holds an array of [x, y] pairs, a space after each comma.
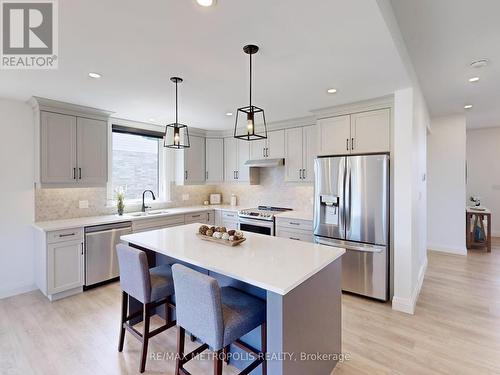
{"points": [[29, 34]]}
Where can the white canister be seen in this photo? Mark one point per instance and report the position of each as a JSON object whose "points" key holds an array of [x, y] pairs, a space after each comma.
{"points": [[234, 201]]}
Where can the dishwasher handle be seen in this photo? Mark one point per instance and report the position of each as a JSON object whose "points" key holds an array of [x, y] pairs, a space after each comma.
{"points": [[107, 227]]}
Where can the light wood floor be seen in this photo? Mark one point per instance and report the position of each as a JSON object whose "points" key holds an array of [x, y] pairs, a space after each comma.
{"points": [[456, 329]]}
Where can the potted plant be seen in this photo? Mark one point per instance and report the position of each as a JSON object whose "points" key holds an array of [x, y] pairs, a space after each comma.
{"points": [[120, 200]]}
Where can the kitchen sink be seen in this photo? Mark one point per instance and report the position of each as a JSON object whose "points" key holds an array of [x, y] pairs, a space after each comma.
{"points": [[148, 213]]}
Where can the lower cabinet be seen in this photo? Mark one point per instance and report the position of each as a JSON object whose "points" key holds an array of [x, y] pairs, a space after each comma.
{"points": [[294, 229], [207, 217], [59, 262], [64, 266], [229, 219]]}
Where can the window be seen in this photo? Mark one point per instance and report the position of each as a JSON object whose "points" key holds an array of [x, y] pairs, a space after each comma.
{"points": [[137, 163]]}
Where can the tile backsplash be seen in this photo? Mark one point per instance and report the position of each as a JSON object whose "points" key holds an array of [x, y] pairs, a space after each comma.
{"points": [[53, 204]]}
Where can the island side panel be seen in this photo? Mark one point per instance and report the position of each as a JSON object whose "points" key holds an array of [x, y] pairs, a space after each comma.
{"points": [[306, 320]]}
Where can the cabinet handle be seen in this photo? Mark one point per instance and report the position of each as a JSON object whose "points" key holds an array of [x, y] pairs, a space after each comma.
{"points": [[304, 174], [292, 223], [237, 175], [347, 144], [79, 173], [186, 175], [294, 238], [67, 235], [352, 143], [82, 248], [74, 173], [267, 151], [196, 216], [206, 175], [263, 152]]}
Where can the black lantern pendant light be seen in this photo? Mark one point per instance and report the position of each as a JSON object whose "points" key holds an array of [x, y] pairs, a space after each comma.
{"points": [[176, 134], [250, 113]]}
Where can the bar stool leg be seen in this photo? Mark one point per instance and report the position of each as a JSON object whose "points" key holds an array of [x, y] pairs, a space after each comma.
{"points": [[122, 321], [181, 333], [145, 336], [218, 362]]}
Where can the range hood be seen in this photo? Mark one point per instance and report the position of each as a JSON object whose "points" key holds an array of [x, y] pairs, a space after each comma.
{"points": [[262, 163]]}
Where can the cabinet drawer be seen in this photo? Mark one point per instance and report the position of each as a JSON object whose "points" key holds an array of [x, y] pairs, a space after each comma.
{"points": [[75, 234], [230, 224], [294, 223], [299, 235], [230, 215], [196, 217]]}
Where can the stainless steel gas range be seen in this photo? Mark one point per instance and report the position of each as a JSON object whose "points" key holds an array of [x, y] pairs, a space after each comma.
{"points": [[260, 219]]}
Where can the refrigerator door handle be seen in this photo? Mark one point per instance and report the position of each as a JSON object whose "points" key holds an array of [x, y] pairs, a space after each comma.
{"points": [[347, 195], [349, 246]]}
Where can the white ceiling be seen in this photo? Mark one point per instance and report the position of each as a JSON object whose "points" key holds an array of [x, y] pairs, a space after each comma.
{"points": [[306, 47], [443, 37]]}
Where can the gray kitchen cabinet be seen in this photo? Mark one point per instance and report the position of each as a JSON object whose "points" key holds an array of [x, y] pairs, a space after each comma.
{"points": [[357, 133], [65, 266], [58, 148], [190, 162], [73, 151], [271, 148], [204, 217], [300, 151], [214, 160], [236, 154], [92, 148]]}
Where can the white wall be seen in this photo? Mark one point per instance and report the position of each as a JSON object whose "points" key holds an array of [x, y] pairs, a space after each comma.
{"points": [[17, 206], [483, 180], [446, 192], [409, 207]]}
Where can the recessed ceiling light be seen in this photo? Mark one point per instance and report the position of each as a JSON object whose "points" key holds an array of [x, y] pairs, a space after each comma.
{"points": [[331, 91], [474, 79], [94, 75], [152, 120], [229, 113], [479, 63], [468, 106], [206, 3]]}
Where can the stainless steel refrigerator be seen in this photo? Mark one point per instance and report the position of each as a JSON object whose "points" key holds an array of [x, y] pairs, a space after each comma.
{"points": [[351, 210]]}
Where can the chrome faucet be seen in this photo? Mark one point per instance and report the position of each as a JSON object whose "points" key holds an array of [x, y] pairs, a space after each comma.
{"points": [[143, 194]]}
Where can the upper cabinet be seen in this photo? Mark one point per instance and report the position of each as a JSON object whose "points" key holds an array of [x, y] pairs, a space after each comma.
{"points": [[300, 151], [73, 150], [214, 160], [236, 154], [358, 133], [190, 162], [273, 147], [370, 131]]}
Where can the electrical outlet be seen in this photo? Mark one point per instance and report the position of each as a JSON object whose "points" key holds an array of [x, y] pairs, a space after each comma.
{"points": [[83, 204], [185, 197]]}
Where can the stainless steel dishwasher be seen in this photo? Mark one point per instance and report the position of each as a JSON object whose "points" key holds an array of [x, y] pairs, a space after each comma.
{"points": [[101, 262]]}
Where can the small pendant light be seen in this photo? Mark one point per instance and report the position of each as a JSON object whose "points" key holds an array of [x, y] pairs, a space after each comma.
{"points": [[250, 113], [176, 134]]}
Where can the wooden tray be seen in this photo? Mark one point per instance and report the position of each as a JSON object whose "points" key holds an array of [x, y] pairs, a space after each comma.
{"points": [[221, 241]]}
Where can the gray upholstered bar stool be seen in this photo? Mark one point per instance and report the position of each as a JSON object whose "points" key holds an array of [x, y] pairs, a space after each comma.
{"points": [[153, 287], [217, 316]]}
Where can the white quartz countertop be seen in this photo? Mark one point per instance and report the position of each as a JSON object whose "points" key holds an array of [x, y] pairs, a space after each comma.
{"points": [[297, 215], [52, 225], [272, 263]]}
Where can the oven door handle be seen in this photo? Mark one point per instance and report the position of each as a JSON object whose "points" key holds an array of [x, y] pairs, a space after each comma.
{"points": [[259, 223]]}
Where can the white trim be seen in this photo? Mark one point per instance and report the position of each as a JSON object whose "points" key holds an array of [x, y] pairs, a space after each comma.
{"points": [[50, 105], [10, 291], [351, 108], [447, 249], [407, 305]]}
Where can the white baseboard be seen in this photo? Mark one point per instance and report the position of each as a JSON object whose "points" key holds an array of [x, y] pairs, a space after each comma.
{"points": [[447, 249], [15, 290], [407, 305]]}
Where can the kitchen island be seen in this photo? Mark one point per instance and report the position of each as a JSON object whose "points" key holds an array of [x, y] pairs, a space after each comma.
{"points": [[301, 283]]}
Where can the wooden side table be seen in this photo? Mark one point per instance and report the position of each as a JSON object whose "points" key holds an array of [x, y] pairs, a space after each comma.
{"points": [[474, 217]]}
